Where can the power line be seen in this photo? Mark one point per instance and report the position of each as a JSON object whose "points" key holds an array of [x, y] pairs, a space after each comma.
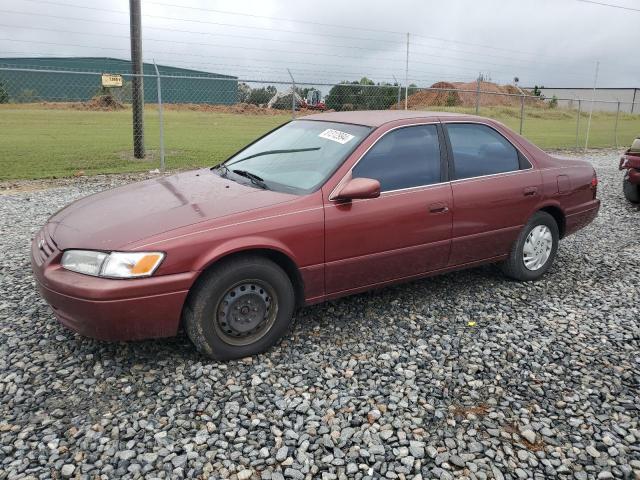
{"points": [[241, 47], [187, 43], [48, 2], [610, 5], [180, 54], [471, 60], [388, 80], [307, 22], [85, 7], [480, 62]]}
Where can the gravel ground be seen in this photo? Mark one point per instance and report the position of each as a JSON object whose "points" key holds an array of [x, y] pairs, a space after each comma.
{"points": [[466, 375]]}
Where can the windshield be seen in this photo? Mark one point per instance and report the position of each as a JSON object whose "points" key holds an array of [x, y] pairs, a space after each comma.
{"points": [[297, 157]]}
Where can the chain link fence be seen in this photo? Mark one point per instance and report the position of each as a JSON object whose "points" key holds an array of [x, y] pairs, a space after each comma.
{"points": [[65, 122]]}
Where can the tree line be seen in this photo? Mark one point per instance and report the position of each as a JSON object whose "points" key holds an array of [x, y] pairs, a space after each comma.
{"points": [[363, 94]]}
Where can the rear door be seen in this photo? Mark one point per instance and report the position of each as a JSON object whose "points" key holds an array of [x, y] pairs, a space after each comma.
{"points": [[404, 232], [495, 189]]}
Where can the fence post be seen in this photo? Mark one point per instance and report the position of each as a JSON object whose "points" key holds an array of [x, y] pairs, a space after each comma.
{"points": [[521, 112], [406, 77], [593, 99], [578, 123], [615, 128], [293, 95], [160, 116], [478, 95], [399, 89]]}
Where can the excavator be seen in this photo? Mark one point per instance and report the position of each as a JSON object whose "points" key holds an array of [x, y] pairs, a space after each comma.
{"points": [[312, 102]]}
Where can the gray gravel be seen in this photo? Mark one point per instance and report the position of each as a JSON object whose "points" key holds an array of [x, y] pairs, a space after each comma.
{"points": [[391, 384]]}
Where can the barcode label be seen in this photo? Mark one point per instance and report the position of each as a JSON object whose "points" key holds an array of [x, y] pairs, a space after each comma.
{"points": [[336, 136]]}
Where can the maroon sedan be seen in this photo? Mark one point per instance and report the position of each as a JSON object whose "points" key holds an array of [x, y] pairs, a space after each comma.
{"points": [[630, 163], [322, 207]]}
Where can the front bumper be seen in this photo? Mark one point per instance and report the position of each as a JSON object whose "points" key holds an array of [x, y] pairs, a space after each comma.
{"points": [[107, 309]]}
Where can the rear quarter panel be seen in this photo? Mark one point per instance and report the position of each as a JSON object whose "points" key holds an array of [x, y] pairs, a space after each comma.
{"points": [[567, 185]]}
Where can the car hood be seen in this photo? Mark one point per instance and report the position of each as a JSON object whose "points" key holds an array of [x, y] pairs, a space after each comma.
{"points": [[112, 219]]}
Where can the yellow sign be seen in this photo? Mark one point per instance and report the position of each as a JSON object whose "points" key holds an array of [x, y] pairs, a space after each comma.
{"points": [[109, 80]]}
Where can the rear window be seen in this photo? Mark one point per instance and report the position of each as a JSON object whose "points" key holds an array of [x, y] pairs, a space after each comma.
{"points": [[479, 150]]}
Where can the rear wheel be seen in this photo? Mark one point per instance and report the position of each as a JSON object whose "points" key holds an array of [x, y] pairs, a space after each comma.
{"points": [[239, 308], [535, 249], [631, 190]]}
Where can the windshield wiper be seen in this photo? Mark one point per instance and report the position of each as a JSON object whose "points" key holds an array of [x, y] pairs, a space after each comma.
{"points": [[273, 152], [255, 179]]}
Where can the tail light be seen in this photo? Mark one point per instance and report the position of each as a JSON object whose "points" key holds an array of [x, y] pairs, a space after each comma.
{"points": [[594, 184]]}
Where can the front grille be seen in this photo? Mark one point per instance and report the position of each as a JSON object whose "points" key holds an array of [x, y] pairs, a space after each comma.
{"points": [[46, 245]]}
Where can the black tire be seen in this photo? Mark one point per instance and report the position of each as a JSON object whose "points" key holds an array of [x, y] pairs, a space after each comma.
{"points": [[514, 266], [202, 315], [631, 191]]}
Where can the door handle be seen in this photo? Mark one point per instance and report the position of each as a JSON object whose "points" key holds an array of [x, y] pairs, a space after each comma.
{"points": [[439, 207], [529, 191]]}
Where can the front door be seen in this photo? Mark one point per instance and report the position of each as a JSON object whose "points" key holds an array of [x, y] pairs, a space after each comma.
{"points": [[407, 230]]}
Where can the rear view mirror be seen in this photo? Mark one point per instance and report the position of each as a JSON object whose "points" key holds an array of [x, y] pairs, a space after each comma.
{"points": [[359, 188]]}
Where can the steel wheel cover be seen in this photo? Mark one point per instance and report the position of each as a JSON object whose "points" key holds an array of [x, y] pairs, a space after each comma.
{"points": [[246, 312]]}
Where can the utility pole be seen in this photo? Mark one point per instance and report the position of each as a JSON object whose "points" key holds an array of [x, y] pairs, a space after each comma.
{"points": [[137, 88], [406, 77]]}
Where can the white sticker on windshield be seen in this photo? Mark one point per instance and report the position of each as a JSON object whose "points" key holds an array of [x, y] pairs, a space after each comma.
{"points": [[336, 135]]}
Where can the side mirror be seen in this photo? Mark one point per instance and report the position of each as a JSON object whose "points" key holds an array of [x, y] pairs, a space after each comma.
{"points": [[357, 188]]}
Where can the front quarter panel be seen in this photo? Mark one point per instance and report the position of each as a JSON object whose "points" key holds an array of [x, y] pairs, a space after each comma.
{"points": [[294, 229]]}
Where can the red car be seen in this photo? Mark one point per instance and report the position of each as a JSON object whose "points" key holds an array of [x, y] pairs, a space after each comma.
{"points": [[630, 162], [322, 207]]}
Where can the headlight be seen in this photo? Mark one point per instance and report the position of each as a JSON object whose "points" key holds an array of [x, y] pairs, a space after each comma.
{"points": [[84, 261], [112, 265]]}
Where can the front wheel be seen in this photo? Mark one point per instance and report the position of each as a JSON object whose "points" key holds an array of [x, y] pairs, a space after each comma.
{"points": [[239, 308], [631, 190], [535, 249]]}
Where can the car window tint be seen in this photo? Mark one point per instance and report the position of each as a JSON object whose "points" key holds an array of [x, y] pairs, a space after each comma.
{"points": [[480, 150], [403, 158]]}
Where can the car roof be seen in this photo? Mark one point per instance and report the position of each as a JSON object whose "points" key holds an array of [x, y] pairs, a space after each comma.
{"points": [[375, 118]]}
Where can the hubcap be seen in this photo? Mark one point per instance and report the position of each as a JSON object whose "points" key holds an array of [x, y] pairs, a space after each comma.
{"points": [[537, 247], [246, 313]]}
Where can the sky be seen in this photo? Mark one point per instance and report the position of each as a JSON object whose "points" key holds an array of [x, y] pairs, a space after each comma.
{"points": [[555, 43]]}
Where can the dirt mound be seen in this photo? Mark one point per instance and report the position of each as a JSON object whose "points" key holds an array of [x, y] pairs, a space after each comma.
{"points": [[487, 99], [236, 108], [243, 108], [103, 102], [447, 97], [460, 94]]}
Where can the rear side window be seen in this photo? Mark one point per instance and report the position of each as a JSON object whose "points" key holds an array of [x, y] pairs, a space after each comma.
{"points": [[479, 150], [403, 158]]}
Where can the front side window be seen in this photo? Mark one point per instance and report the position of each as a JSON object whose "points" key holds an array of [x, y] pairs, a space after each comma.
{"points": [[297, 157], [403, 158], [479, 150]]}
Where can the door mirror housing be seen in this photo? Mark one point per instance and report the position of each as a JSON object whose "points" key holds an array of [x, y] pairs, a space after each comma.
{"points": [[359, 188]]}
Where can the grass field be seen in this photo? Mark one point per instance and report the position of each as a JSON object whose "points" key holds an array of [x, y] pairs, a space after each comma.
{"points": [[39, 142]]}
